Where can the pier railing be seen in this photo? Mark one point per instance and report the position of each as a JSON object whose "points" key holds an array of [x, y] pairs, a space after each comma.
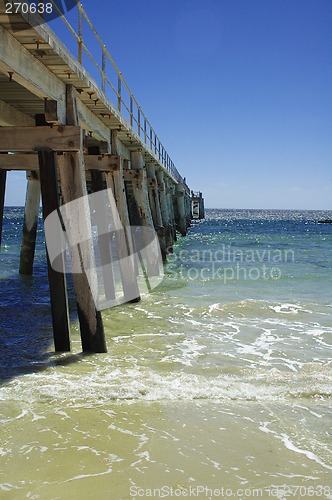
{"points": [[123, 98]]}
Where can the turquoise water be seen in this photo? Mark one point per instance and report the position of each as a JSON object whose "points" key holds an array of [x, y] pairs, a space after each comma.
{"points": [[222, 374]]}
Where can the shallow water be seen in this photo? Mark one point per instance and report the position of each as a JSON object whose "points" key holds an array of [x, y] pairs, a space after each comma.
{"points": [[221, 378]]}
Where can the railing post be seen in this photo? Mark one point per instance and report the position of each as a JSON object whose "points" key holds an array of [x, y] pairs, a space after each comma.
{"points": [[80, 33], [103, 68], [150, 138], [119, 92], [144, 129], [131, 110], [139, 122]]}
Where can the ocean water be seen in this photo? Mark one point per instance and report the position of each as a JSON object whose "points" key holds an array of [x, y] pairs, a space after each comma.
{"points": [[217, 384]]}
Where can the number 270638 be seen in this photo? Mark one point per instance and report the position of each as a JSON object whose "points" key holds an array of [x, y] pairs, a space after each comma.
{"points": [[29, 8]]}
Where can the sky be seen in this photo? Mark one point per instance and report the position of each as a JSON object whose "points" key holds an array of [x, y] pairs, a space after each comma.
{"points": [[239, 92]]}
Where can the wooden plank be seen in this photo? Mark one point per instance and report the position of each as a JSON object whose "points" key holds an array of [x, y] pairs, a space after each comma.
{"points": [[19, 162], [3, 175], [29, 161], [57, 280], [30, 224], [61, 138]]}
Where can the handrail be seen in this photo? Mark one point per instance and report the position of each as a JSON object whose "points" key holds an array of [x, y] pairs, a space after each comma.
{"points": [[138, 121]]}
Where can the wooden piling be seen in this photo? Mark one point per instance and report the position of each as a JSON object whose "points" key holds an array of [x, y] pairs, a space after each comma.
{"points": [[170, 190], [30, 224], [73, 185], [140, 189], [138, 176], [124, 241], [153, 192], [103, 239], [3, 175], [164, 209], [57, 280], [181, 220]]}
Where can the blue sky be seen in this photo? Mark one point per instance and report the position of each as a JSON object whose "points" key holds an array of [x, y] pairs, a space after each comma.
{"points": [[239, 92]]}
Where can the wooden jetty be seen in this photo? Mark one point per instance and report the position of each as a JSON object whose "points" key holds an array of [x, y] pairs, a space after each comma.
{"points": [[74, 136]]}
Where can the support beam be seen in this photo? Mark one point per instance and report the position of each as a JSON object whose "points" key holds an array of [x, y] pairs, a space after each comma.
{"points": [[57, 280], [29, 161], [10, 116], [62, 138], [91, 123], [3, 175], [30, 224]]}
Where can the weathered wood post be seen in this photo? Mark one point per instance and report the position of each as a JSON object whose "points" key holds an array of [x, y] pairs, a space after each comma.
{"points": [[103, 239], [57, 280], [170, 190], [30, 224], [164, 208], [125, 247], [115, 181], [141, 196], [73, 185], [3, 174], [140, 189], [187, 201], [153, 190], [181, 220]]}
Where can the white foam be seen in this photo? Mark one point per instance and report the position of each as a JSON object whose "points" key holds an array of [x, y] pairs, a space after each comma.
{"points": [[289, 309], [309, 454]]}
